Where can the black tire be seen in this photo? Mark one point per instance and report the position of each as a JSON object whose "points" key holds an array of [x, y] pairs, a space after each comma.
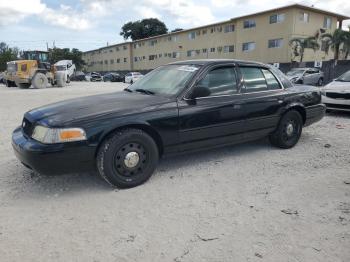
{"points": [[23, 85], [40, 81], [320, 82], [68, 79], [112, 158], [288, 131], [10, 83]]}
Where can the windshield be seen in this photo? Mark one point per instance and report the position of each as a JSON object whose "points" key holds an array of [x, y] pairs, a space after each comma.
{"points": [[295, 72], [166, 80], [344, 77]]}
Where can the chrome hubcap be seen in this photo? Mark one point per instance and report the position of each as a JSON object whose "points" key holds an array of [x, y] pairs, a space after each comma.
{"points": [[131, 159], [290, 129]]}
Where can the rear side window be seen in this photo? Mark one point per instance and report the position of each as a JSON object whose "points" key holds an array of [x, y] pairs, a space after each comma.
{"points": [[220, 81], [271, 80], [254, 79], [259, 79]]}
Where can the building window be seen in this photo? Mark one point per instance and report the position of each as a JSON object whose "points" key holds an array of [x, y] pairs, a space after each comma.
{"points": [[106, 62], [125, 47], [152, 42], [118, 60], [219, 29], [275, 43], [160, 55], [229, 28], [327, 22], [111, 50], [304, 17], [250, 46], [176, 54], [192, 35], [212, 30], [191, 53], [152, 57], [228, 48], [204, 50], [249, 23], [111, 61], [198, 32], [165, 54], [204, 32], [125, 59], [212, 49], [116, 48], [277, 18]]}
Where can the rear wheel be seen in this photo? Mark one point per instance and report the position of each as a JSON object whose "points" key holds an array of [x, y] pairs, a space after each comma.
{"points": [[40, 81], [128, 158], [288, 131]]}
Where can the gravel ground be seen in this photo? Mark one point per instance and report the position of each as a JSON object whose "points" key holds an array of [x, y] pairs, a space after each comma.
{"points": [[248, 202]]}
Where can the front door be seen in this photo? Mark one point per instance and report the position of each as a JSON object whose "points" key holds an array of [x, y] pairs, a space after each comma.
{"points": [[214, 114]]}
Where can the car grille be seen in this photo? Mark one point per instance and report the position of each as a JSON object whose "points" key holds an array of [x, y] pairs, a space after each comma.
{"points": [[27, 127], [338, 95]]}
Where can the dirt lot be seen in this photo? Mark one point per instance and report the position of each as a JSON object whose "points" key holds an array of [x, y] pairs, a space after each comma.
{"points": [[248, 202]]}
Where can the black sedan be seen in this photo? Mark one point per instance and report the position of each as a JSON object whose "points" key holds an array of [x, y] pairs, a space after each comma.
{"points": [[176, 108], [113, 77]]}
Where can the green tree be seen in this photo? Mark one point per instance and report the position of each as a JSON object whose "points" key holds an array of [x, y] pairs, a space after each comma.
{"points": [[299, 45], [57, 54], [7, 54], [143, 28], [334, 41]]}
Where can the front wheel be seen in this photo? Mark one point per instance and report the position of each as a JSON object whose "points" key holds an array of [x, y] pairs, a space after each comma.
{"points": [[40, 81], [288, 131], [128, 158]]}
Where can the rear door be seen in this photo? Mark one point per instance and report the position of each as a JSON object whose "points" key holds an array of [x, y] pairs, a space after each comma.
{"points": [[262, 99]]}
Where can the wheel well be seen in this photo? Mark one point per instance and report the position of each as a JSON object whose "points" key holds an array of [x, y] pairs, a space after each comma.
{"points": [[301, 111], [147, 129]]}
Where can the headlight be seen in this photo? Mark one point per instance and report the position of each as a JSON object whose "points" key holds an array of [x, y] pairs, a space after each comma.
{"points": [[58, 135]]}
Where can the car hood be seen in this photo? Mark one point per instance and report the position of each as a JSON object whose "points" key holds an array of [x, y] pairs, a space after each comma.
{"points": [[78, 110], [337, 86]]}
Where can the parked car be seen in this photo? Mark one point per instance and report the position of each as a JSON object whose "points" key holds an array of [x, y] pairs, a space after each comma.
{"points": [[113, 77], [132, 77], [67, 67], [176, 108], [78, 76], [93, 77], [336, 95], [307, 76]]}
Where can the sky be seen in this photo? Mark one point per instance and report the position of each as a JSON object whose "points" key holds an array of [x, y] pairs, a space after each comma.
{"points": [[90, 24]]}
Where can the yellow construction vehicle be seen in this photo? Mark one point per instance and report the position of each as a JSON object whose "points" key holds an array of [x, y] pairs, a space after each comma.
{"points": [[35, 70]]}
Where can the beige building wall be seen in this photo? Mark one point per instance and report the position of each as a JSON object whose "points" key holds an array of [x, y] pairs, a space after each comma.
{"points": [[220, 41]]}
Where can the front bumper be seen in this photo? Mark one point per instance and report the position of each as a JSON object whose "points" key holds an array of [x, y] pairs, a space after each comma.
{"points": [[336, 103], [54, 158]]}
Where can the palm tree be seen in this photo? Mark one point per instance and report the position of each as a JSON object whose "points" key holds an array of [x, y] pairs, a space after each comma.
{"points": [[346, 43], [300, 44], [334, 41]]}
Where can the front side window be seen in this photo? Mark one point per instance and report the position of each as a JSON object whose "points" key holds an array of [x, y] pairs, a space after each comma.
{"points": [[246, 47], [277, 18], [219, 81]]}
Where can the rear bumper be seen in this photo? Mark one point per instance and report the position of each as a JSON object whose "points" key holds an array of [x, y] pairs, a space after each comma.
{"points": [[55, 158], [314, 113]]}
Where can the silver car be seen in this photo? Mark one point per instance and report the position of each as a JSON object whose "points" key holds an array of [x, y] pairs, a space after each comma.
{"points": [[307, 76], [336, 95]]}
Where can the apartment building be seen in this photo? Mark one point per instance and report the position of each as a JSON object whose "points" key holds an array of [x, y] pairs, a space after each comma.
{"points": [[262, 36]]}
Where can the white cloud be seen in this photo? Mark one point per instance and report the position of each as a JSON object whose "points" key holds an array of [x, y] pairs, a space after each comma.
{"points": [[147, 12], [15, 10]]}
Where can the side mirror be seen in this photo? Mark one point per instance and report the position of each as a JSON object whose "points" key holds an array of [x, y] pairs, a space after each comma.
{"points": [[200, 91]]}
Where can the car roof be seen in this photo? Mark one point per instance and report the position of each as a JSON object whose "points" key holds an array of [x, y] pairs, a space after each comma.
{"points": [[216, 61]]}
